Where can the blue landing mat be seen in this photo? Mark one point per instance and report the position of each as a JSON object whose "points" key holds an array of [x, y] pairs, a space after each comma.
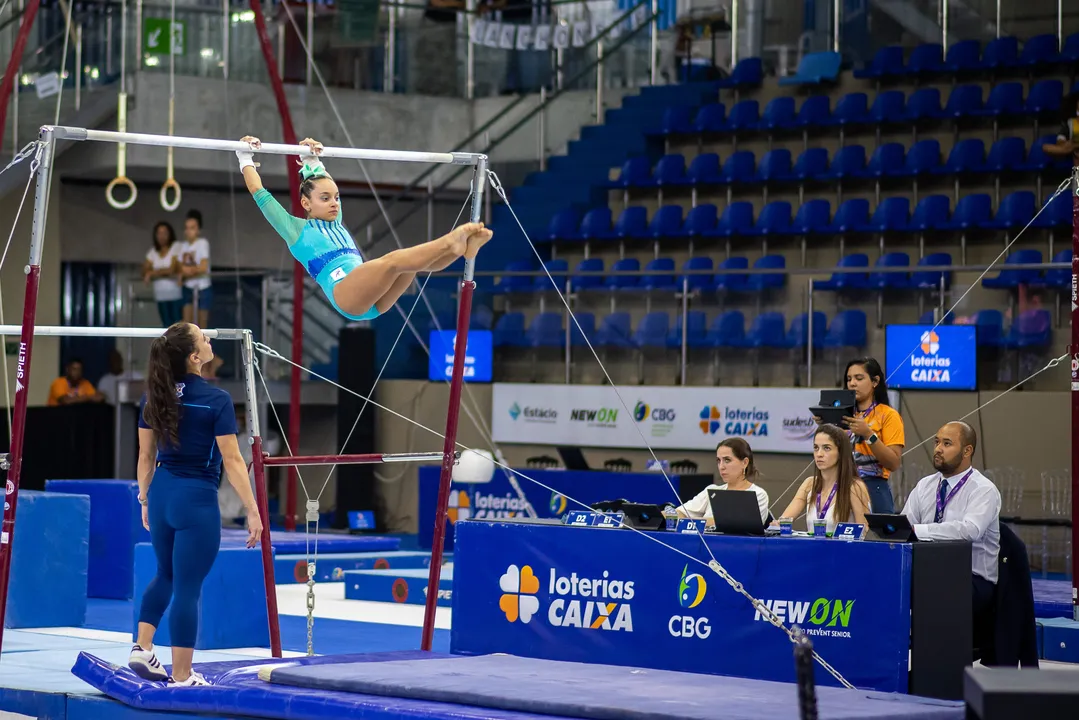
{"points": [[296, 542], [1052, 598], [602, 692]]}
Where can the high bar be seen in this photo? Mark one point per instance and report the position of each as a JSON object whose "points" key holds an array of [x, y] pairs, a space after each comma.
{"points": [[61, 132], [366, 459], [116, 332]]}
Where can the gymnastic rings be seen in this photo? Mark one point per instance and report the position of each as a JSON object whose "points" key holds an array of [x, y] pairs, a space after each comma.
{"points": [[170, 181], [121, 178]]}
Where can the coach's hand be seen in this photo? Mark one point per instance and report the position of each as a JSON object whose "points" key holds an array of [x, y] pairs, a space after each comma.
{"points": [[145, 517], [254, 527]]}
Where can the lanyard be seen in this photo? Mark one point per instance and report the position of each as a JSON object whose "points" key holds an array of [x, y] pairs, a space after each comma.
{"points": [[865, 414], [941, 504], [827, 505]]}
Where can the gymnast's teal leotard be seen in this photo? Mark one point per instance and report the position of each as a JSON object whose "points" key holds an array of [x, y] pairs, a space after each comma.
{"points": [[324, 247]]}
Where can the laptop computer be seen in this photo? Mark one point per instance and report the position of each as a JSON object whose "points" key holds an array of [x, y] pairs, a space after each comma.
{"points": [[736, 512], [834, 405], [890, 528]]}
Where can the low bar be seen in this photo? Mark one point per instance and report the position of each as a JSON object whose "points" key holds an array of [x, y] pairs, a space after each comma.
{"points": [[364, 459], [118, 332], [81, 134]]}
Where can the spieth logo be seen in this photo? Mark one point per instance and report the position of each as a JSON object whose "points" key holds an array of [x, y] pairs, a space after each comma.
{"points": [[519, 587]]}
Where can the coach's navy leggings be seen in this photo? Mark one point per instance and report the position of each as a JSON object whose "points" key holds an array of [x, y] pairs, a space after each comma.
{"points": [[185, 529]]}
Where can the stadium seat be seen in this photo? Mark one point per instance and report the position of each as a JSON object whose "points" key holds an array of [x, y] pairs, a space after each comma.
{"points": [[510, 330], [1011, 279], [558, 270], [696, 330], [564, 225], [767, 281], [704, 171], [921, 159], [514, 283], [670, 170], [1001, 54], [1045, 97], [482, 318], [711, 118], [925, 60], [799, 332], [847, 330], [890, 280], [812, 164], [666, 223], [927, 319], [989, 328], [653, 330], [1005, 100], [815, 69], [676, 121], [1015, 211], [1059, 279], [931, 212], [635, 172], [614, 331], [728, 330], [596, 225], [700, 281], [1057, 214], [964, 101], [1038, 160], [851, 217], [963, 57], [778, 114], [740, 167], [737, 219], [814, 112], [886, 160], [967, 156], [888, 107], [584, 283], [546, 331], [700, 221], [892, 215], [748, 73], [886, 65], [732, 282], [775, 219], [848, 162], [623, 282], [775, 166], [1069, 53], [745, 115], [1006, 154], [632, 224], [767, 330], [930, 279], [814, 216], [972, 211], [842, 281], [1031, 329], [1039, 53], [923, 104], [660, 275], [587, 323], [850, 110]]}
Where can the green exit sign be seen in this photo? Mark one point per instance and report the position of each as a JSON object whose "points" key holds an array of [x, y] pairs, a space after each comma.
{"points": [[155, 37]]}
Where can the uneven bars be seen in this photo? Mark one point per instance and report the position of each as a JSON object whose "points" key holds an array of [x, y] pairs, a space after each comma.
{"points": [[363, 459], [79, 134], [117, 332]]}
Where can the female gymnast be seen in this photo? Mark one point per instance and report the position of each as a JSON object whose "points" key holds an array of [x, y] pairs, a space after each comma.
{"points": [[321, 243], [187, 429]]}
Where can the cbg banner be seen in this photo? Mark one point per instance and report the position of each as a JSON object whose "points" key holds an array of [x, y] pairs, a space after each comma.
{"points": [[616, 597], [670, 418]]}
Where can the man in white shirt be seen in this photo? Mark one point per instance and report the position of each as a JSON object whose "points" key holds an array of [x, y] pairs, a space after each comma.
{"points": [[108, 385], [959, 503]]}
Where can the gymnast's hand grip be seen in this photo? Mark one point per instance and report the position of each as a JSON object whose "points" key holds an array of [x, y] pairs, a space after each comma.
{"points": [[111, 188], [164, 195]]}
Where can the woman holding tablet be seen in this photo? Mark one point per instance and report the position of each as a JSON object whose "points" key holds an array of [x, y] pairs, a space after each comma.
{"points": [[834, 493], [734, 460]]}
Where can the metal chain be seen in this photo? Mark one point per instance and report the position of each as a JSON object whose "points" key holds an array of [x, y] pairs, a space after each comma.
{"points": [[312, 516]]}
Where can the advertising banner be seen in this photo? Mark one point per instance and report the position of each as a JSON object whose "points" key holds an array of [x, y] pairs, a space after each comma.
{"points": [[614, 596], [921, 357]]}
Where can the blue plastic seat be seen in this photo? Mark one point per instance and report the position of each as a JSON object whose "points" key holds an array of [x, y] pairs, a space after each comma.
{"points": [[891, 280], [930, 213], [596, 225], [923, 104], [775, 219], [697, 281], [1001, 53], [963, 57], [659, 275], [546, 330], [967, 156], [558, 269], [799, 332], [636, 172], [653, 330], [927, 59], [851, 109], [1059, 279], [842, 281], [886, 65], [564, 225], [666, 223], [1008, 279], [775, 166], [513, 283], [811, 164], [1006, 154], [1015, 211], [728, 329], [778, 114], [815, 111], [700, 221], [851, 217], [482, 318], [740, 167], [748, 73], [1045, 97], [696, 330], [732, 282], [887, 160], [676, 121], [509, 330], [892, 215], [848, 162], [670, 170], [888, 107], [1032, 329], [989, 328], [921, 159], [585, 283], [847, 330], [737, 219], [632, 224], [745, 115], [1057, 213], [964, 100], [704, 170], [928, 319], [587, 323], [711, 118], [767, 330], [1069, 52], [815, 69], [767, 281], [1005, 99], [814, 216], [614, 331], [972, 211], [1038, 160], [623, 282], [930, 279]]}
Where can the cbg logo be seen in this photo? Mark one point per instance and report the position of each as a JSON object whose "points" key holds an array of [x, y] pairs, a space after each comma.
{"points": [[691, 592]]}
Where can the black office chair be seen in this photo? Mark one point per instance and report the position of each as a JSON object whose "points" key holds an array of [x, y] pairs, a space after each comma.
{"points": [[1007, 636]]}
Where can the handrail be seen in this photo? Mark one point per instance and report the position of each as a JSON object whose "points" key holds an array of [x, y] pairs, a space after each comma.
{"points": [[413, 184]]}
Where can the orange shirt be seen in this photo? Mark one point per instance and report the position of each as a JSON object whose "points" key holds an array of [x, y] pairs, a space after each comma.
{"points": [[62, 388], [887, 425]]}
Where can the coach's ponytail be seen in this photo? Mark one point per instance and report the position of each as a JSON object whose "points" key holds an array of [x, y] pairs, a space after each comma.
{"points": [[167, 365]]}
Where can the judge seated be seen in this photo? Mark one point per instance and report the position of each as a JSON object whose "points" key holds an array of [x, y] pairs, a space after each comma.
{"points": [[734, 459]]}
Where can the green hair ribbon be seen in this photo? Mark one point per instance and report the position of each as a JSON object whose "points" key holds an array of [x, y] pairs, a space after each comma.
{"points": [[313, 168]]}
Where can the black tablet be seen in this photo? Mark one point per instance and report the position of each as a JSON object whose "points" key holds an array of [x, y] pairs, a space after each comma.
{"points": [[890, 528]]}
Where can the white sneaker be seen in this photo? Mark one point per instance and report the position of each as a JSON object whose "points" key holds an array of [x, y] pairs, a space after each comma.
{"points": [[145, 664], [195, 680]]}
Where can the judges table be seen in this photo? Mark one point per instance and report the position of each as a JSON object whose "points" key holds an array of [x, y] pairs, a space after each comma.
{"points": [[537, 588]]}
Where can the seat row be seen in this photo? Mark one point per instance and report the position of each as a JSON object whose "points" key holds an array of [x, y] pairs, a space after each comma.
{"points": [[850, 162], [889, 108], [933, 213], [1039, 53]]}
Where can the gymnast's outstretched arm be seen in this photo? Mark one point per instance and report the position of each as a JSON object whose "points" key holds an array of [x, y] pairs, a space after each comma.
{"points": [[287, 225]]}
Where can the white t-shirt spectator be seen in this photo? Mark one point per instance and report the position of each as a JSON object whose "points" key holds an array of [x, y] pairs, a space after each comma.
{"points": [[191, 255], [166, 289], [701, 506], [108, 385]]}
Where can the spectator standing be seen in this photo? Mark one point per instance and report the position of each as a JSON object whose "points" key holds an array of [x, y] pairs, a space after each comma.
{"points": [[195, 271], [162, 271]]}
